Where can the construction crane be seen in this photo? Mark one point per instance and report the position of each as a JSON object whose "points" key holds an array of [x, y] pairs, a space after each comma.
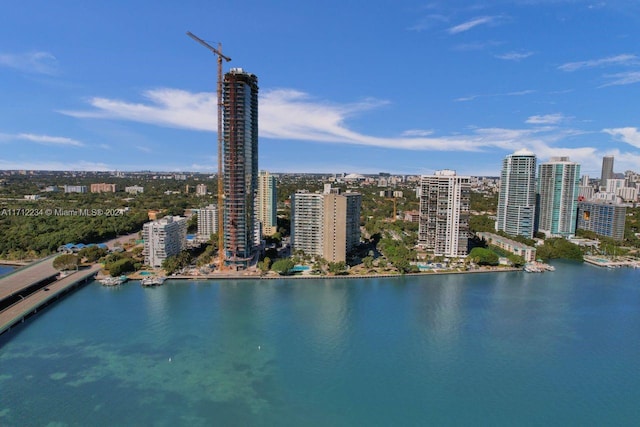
{"points": [[220, 57]]}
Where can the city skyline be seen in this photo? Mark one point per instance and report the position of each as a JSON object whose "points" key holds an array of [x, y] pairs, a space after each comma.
{"points": [[403, 89]]}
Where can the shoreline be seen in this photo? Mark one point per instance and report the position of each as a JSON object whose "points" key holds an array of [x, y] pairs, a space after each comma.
{"points": [[322, 277], [15, 263]]}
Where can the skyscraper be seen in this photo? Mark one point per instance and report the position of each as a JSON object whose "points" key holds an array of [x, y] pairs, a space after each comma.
{"points": [[444, 213], [558, 181], [267, 203], [240, 171], [517, 199], [607, 170], [326, 225]]}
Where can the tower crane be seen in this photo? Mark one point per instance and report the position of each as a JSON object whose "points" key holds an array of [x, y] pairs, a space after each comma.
{"points": [[220, 57]]}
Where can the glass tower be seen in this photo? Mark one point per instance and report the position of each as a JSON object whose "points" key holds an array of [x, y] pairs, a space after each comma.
{"points": [[558, 181], [517, 199]]}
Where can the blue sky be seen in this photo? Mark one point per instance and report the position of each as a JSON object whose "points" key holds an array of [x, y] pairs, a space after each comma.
{"points": [[403, 87]]}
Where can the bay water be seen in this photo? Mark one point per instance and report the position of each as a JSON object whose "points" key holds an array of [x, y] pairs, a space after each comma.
{"points": [[558, 348]]}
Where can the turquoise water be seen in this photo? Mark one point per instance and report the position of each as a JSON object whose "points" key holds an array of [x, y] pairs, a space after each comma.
{"points": [[558, 348], [298, 268], [147, 273]]}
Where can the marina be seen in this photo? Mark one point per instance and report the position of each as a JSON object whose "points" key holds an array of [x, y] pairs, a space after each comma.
{"points": [[612, 262]]}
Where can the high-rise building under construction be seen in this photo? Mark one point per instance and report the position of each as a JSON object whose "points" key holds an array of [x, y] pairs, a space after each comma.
{"points": [[240, 172]]}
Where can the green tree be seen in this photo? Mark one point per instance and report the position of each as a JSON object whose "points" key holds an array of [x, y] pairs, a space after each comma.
{"points": [[92, 253], [283, 266], [265, 265], [337, 268], [482, 256], [66, 262], [122, 266]]}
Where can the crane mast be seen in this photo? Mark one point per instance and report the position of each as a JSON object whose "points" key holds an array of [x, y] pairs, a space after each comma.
{"points": [[220, 57]]}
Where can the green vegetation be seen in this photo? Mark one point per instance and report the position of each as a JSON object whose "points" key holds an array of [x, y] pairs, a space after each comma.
{"points": [[554, 248], [66, 262], [92, 253], [283, 266], [483, 256], [177, 262]]}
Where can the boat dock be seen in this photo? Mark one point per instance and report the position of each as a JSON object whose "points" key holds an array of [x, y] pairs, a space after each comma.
{"points": [[615, 262], [27, 290]]}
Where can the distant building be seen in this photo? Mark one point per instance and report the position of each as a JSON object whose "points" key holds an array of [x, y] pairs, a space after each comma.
{"points": [[51, 189], [607, 170], [517, 197], [412, 216], [326, 225], [267, 203], [75, 188], [604, 219], [558, 192], [207, 222], [585, 192], [517, 248], [201, 190], [31, 197], [103, 188], [444, 214], [163, 238], [134, 189]]}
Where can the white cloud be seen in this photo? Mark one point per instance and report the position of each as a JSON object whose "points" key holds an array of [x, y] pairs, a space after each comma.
{"points": [[493, 95], [624, 59], [466, 26], [629, 135], [428, 22], [34, 62], [621, 79], [287, 114], [547, 119], [514, 56], [166, 107], [41, 139], [417, 132]]}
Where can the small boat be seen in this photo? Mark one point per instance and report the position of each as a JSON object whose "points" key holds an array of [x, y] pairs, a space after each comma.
{"points": [[152, 281], [111, 281]]}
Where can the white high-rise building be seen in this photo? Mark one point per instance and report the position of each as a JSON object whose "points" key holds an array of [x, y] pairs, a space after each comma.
{"points": [[267, 203], [517, 199], [444, 213], [558, 181], [163, 238], [207, 222]]}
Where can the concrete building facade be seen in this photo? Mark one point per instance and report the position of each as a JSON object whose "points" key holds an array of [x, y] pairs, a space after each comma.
{"points": [[444, 214], [267, 203], [240, 172], [207, 222], [163, 238], [326, 225], [103, 188], [604, 219]]}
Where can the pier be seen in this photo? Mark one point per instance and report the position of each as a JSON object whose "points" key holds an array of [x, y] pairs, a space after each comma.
{"points": [[29, 289]]}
